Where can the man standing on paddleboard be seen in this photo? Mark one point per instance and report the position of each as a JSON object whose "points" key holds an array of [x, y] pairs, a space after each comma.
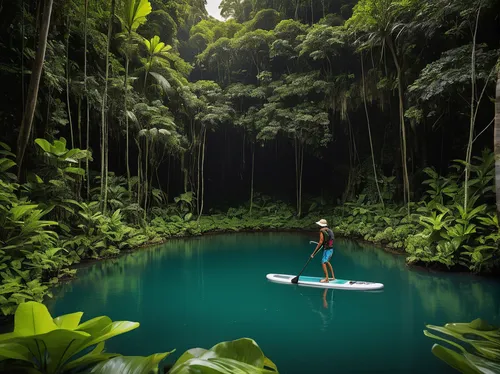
{"points": [[326, 239]]}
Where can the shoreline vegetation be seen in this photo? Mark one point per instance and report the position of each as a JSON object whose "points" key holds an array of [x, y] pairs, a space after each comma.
{"points": [[437, 236], [43, 240]]}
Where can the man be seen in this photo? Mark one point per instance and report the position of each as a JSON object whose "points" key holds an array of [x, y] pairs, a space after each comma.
{"points": [[326, 239]]}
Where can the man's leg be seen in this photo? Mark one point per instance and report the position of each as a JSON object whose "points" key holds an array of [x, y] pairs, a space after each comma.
{"points": [[331, 269], [329, 264], [325, 280], [324, 260]]}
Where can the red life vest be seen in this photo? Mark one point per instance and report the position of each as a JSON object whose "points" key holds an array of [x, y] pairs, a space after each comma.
{"points": [[328, 238]]}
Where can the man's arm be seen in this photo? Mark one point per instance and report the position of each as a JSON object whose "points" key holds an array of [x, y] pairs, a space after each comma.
{"points": [[320, 243]]}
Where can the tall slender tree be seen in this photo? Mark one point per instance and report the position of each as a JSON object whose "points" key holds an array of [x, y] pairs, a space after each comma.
{"points": [[85, 89], [135, 14], [29, 112], [497, 142], [104, 117], [370, 132], [378, 21]]}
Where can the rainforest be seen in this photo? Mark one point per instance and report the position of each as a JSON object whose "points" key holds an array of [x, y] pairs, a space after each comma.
{"points": [[129, 122]]}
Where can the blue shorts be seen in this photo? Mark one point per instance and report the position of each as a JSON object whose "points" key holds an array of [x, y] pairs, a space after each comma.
{"points": [[327, 255]]}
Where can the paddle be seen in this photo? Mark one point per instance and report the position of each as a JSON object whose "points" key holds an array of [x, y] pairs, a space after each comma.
{"points": [[296, 279]]}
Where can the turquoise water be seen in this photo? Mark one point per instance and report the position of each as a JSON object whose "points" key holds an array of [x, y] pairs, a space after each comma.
{"points": [[197, 292]]}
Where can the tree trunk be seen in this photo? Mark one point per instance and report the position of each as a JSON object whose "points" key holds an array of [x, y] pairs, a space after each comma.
{"points": [[497, 145], [406, 181], [312, 12], [370, 132], [168, 179], [253, 168], [301, 155], [152, 156], [27, 122], [87, 97], [146, 182], [347, 191], [67, 85], [198, 171], [22, 55], [296, 175], [202, 176], [104, 175], [139, 170], [79, 145], [185, 172], [468, 155], [126, 124], [106, 164]]}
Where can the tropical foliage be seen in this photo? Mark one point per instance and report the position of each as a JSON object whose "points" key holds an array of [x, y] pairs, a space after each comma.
{"points": [[42, 344], [441, 231], [475, 346]]}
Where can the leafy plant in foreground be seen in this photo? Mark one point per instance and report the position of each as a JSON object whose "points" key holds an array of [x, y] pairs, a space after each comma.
{"points": [[238, 356], [482, 340], [42, 344], [50, 345]]}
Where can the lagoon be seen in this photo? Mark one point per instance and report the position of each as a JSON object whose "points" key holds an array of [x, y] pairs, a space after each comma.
{"points": [[197, 292]]}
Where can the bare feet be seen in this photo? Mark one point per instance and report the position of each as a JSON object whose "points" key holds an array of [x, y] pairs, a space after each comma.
{"points": [[324, 280]]}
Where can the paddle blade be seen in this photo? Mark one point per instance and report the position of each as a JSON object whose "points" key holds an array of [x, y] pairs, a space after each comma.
{"points": [[295, 280]]}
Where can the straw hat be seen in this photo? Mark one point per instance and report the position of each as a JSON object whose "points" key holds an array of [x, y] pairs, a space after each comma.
{"points": [[322, 222]]}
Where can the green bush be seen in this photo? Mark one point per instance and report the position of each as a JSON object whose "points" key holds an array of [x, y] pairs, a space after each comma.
{"points": [[439, 230]]}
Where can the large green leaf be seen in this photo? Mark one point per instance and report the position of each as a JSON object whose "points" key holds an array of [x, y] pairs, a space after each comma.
{"points": [[6, 164], [136, 12], [32, 318], [54, 342], [114, 329], [68, 321], [454, 359], [479, 354], [484, 365], [72, 170], [44, 144], [268, 363], [130, 364], [243, 350], [219, 366], [237, 356], [52, 345], [189, 354], [14, 351], [91, 358], [99, 331], [94, 325], [5, 146], [19, 211]]}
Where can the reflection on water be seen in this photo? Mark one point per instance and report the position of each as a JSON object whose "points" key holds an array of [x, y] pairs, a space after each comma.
{"points": [[450, 294], [323, 306], [440, 293]]}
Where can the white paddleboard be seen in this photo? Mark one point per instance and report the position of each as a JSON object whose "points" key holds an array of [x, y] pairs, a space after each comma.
{"points": [[341, 284]]}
